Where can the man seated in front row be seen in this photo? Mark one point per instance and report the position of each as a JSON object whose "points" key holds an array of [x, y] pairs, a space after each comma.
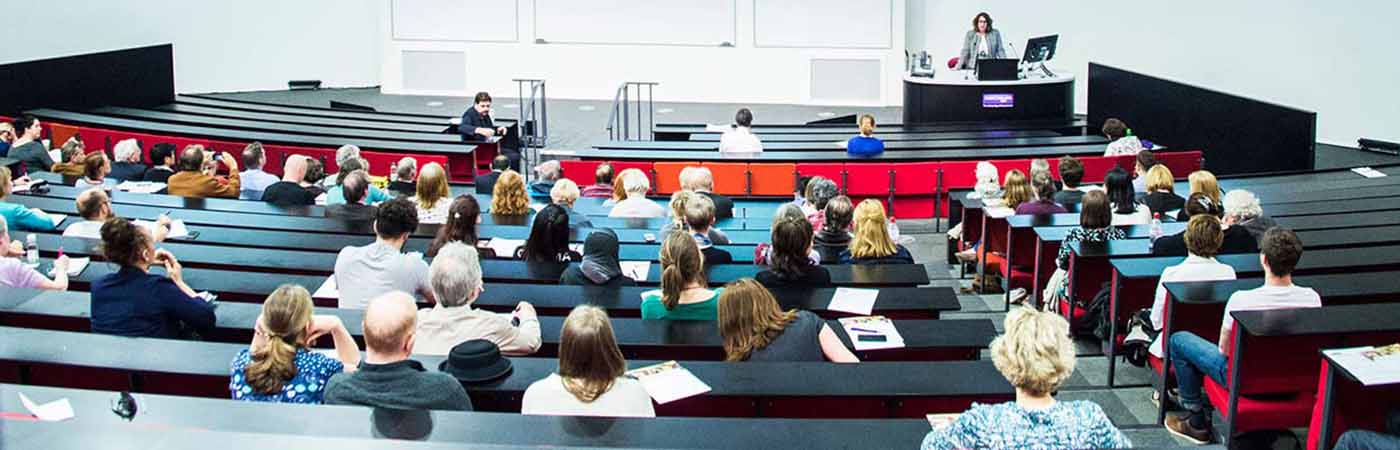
{"points": [[1194, 357], [95, 208], [702, 181], [361, 272], [386, 377], [354, 189], [289, 191], [196, 178], [486, 184]]}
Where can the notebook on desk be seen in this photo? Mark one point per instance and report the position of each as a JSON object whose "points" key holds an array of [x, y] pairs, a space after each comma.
{"points": [[1000, 69]]}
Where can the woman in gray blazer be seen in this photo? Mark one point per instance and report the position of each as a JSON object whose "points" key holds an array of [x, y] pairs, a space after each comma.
{"points": [[982, 41]]}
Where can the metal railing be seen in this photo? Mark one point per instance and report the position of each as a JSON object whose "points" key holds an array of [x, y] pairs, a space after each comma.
{"points": [[626, 109], [534, 113]]}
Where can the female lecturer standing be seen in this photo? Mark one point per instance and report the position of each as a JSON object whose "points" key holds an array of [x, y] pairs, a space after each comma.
{"points": [[982, 41]]}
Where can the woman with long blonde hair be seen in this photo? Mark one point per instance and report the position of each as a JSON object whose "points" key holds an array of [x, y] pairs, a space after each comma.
{"points": [[1204, 182], [755, 328], [508, 197], [684, 294], [277, 366], [590, 380], [871, 243], [432, 194], [1017, 189]]}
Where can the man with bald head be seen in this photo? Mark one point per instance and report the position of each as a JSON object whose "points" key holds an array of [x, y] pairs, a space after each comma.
{"points": [[354, 189], [95, 208], [289, 191], [386, 377], [193, 181]]}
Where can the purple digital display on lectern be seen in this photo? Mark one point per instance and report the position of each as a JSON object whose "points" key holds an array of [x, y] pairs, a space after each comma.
{"points": [[998, 100]]}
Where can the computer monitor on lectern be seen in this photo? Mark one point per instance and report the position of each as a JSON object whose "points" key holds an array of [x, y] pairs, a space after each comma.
{"points": [[1040, 49]]}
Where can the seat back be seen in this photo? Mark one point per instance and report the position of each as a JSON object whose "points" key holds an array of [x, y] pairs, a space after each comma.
{"points": [[772, 179], [1181, 163], [59, 134], [668, 176], [645, 167], [580, 172], [730, 178], [831, 171], [915, 189], [869, 179], [1097, 167]]}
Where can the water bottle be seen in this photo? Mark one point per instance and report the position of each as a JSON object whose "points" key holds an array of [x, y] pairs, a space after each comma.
{"points": [[893, 229], [1156, 230], [31, 249]]}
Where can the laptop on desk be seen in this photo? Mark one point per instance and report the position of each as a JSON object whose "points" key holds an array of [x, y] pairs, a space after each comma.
{"points": [[1000, 69]]}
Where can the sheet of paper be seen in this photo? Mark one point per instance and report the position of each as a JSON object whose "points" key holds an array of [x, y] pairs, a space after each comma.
{"points": [[998, 212], [1371, 365], [1368, 172], [178, 230], [24, 187], [712, 128], [504, 248], [941, 421], [636, 270], [57, 218], [56, 154], [854, 301], [141, 187], [668, 382], [576, 247], [872, 325], [327, 289], [52, 411], [75, 266]]}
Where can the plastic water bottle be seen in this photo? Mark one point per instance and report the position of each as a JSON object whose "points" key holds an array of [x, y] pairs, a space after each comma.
{"points": [[31, 249], [893, 229], [1156, 230]]}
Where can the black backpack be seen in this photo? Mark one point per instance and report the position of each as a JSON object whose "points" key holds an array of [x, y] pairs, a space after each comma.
{"points": [[1096, 314]]}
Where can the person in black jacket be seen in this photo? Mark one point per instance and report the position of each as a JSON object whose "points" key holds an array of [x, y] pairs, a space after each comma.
{"points": [[289, 191], [702, 181], [789, 266], [163, 158], [477, 126], [549, 238], [699, 214], [1237, 239], [486, 184], [600, 266], [835, 235], [355, 187], [1161, 196]]}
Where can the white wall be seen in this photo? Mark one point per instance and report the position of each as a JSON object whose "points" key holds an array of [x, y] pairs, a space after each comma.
{"points": [[220, 45], [710, 73], [1334, 58]]}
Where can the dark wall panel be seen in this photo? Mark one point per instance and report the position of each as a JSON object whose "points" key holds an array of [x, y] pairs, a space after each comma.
{"points": [[140, 76]]}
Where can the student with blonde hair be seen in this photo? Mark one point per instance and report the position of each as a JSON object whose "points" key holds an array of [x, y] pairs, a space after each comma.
{"points": [[1204, 182], [872, 243], [684, 294], [509, 197], [278, 366], [1161, 196], [636, 185], [754, 328], [432, 194], [1016, 190], [590, 379]]}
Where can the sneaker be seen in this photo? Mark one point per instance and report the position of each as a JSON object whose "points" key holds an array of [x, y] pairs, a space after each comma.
{"points": [[969, 255], [1180, 425], [1172, 397]]}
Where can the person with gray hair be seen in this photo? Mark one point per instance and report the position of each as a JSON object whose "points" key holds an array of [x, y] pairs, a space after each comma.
{"points": [[401, 181], [702, 181], [1242, 210], [636, 185], [546, 174], [819, 191], [456, 281], [127, 165], [343, 154]]}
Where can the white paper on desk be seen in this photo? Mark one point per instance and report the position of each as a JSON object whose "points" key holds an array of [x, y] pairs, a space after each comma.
{"points": [[854, 301], [504, 248], [141, 187], [57, 218], [53, 411], [177, 228], [668, 382], [23, 187], [712, 128], [636, 270], [75, 266], [1370, 365], [576, 247], [871, 325], [941, 421], [55, 154], [1368, 172], [327, 289]]}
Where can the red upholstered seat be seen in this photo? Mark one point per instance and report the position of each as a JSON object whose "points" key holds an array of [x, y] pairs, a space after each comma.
{"points": [[1180, 163], [831, 171], [645, 167], [580, 172], [772, 179], [915, 189], [730, 178], [668, 176], [1095, 167], [1262, 412]]}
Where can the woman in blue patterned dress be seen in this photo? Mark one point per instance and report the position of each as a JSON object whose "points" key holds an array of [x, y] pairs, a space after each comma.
{"points": [[278, 367], [1035, 355]]}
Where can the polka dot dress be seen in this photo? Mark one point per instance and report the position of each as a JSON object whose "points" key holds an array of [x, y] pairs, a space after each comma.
{"points": [[313, 371]]}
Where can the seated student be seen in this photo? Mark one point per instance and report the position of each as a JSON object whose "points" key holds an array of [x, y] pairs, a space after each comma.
{"points": [[343, 155], [1041, 166], [127, 166], [763, 253], [386, 377], [315, 177], [462, 219], [819, 191], [15, 274], [679, 201], [456, 278], [565, 193], [334, 194], [619, 190], [602, 186], [1122, 199], [28, 147], [799, 195], [96, 167], [865, 144], [132, 302], [835, 234], [872, 243], [361, 272], [72, 157], [1361, 439], [432, 194], [1071, 174], [590, 381], [193, 180], [1095, 225], [702, 181], [95, 208], [546, 174], [162, 160], [279, 365], [1203, 238], [549, 238], [699, 218], [600, 266], [754, 328], [1205, 183], [636, 184], [683, 294], [987, 186], [1242, 210], [401, 178], [477, 126], [1161, 198], [353, 190], [789, 266], [739, 138], [289, 191], [1120, 139], [1235, 240], [486, 184], [1043, 193], [1036, 355], [18, 216], [1016, 189], [1145, 161], [254, 179], [1194, 357], [509, 197], [7, 137]]}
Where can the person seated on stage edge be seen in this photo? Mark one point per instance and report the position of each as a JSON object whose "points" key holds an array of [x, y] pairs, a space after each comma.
{"points": [[71, 156], [456, 278], [865, 144], [1195, 358], [432, 194], [684, 294], [872, 243], [835, 234], [289, 191], [699, 215], [1204, 182], [15, 274], [1234, 240], [382, 266], [982, 41], [755, 328], [636, 184], [29, 147], [478, 126], [565, 193], [546, 174], [1203, 237], [702, 181], [343, 155], [353, 189], [20, 217], [590, 380], [255, 180], [1123, 199], [763, 253], [739, 138], [95, 207], [1071, 175], [486, 184], [128, 166], [789, 265], [819, 191], [602, 186], [196, 180], [279, 365], [1242, 210], [1161, 195], [463, 217], [549, 238], [1016, 190], [509, 198], [1036, 355], [334, 196], [1144, 161], [1120, 139], [1042, 197], [600, 266], [401, 177], [95, 170], [387, 378], [162, 158], [134, 303]]}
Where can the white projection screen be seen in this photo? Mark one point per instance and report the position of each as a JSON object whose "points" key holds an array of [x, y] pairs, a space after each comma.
{"points": [[856, 24], [706, 23], [455, 20]]}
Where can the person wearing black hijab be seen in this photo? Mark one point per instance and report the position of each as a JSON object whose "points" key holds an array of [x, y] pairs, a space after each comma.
{"points": [[600, 266]]}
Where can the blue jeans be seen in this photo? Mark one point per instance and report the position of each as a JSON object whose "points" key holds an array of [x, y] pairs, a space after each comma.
{"points": [[1195, 358], [1369, 440]]}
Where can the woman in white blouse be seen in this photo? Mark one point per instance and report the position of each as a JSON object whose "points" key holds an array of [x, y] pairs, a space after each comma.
{"points": [[434, 197], [590, 381]]}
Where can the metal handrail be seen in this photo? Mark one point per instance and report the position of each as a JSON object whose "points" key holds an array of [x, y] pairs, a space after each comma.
{"points": [[622, 106]]}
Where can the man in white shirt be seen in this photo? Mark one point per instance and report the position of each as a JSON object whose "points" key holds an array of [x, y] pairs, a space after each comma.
{"points": [[740, 138], [1203, 237], [95, 208], [456, 280], [255, 179], [362, 273], [1194, 358]]}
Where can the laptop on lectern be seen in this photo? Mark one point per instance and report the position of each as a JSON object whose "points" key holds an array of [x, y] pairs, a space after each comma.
{"points": [[997, 69]]}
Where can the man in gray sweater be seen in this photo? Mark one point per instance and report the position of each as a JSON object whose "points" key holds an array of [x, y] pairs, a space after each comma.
{"points": [[387, 378]]}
